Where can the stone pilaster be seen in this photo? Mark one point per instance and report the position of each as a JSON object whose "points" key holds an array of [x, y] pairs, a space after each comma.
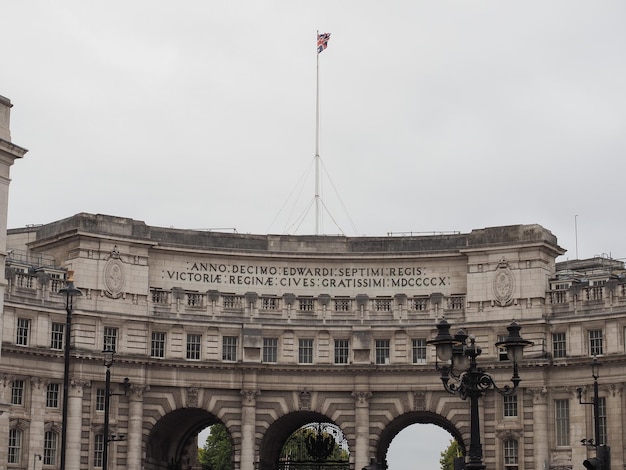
{"points": [[135, 427], [74, 424], [541, 441], [362, 428], [248, 425]]}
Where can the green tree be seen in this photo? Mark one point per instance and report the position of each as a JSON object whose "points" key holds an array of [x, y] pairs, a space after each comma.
{"points": [[217, 453], [447, 456], [303, 444]]}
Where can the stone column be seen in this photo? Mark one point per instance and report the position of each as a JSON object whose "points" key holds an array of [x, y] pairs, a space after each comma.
{"points": [[541, 441], [248, 425], [74, 424], [37, 411], [135, 427], [362, 429]]}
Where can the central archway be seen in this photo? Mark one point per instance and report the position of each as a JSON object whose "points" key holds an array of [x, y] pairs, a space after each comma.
{"points": [[280, 431]]}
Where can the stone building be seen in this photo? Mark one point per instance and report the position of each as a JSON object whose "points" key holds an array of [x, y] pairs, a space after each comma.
{"points": [[266, 333]]}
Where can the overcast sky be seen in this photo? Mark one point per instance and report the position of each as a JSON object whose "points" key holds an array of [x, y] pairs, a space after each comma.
{"points": [[436, 116]]}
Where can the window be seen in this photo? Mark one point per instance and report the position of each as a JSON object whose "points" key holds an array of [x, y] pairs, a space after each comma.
{"points": [[342, 351], [52, 395], [595, 342], [100, 398], [98, 450], [559, 346], [510, 406], [502, 354], [193, 346], [23, 327], [306, 305], [511, 449], [194, 299], [157, 344], [110, 338], [56, 336], [159, 296], [15, 445], [602, 420], [50, 439], [17, 392], [457, 302], [382, 351], [270, 303], [305, 351], [382, 305], [270, 349], [232, 301], [561, 415], [419, 351], [419, 304], [229, 348], [343, 305]]}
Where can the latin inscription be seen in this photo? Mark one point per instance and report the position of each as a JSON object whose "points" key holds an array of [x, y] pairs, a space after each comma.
{"points": [[223, 274]]}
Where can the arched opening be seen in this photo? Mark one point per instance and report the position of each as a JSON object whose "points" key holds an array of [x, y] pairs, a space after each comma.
{"points": [[314, 430], [412, 429], [173, 441]]}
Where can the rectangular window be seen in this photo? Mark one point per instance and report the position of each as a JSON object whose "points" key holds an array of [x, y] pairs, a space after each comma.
{"points": [[50, 440], [342, 351], [559, 346], [418, 304], [382, 305], [52, 395], [382, 351], [561, 415], [23, 328], [229, 348], [15, 445], [110, 338], [595, 343], [502, 354], [457, 302], [100, 397], [193, 346], [98, 450], [17, 392], [510, 406], [343, 305], [602, 420], [511, 451], [270, 350], [56, 336], [419, 351], [305, 351], [270, 303], [157, 344], [306, 305]]}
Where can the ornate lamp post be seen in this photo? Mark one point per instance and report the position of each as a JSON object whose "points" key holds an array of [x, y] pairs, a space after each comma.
{"points": [[70, 292], [107, 437], [459, 353], [603, 452]]}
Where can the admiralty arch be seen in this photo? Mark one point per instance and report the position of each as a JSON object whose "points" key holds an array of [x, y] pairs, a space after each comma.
{"points": [[266, 333]]}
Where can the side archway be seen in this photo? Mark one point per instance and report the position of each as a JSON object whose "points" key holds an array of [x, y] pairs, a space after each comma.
{"points": [[406, 420], [172, 442]]}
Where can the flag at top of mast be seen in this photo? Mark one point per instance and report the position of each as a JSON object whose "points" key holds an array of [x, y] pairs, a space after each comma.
{"points": [[322, 41]]}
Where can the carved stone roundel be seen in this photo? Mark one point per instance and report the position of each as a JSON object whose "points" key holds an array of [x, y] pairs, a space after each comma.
{"points": [[503, 284], [114, 277]]}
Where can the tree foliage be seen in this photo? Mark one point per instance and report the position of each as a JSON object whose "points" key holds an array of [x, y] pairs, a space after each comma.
{"points": [[308, 444], [217, 453], [447, 456]]}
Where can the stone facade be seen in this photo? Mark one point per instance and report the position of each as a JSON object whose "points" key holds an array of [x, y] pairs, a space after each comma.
{"points": [[267, 333]]}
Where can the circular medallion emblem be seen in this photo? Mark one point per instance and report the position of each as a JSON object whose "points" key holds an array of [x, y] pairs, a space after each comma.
{"points": [[114, 277], [503, 284]]}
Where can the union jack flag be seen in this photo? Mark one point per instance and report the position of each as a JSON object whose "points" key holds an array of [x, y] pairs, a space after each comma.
{"points": [[322, 41]]}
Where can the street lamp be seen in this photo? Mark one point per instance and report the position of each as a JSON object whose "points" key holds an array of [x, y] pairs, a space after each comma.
{"points": [[603, 452], [70, 292], [107, 437], [459, 353]]}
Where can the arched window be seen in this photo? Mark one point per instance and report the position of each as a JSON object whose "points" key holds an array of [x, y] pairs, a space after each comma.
{"points": [[15, 445], [511, 448], [50, 440]]}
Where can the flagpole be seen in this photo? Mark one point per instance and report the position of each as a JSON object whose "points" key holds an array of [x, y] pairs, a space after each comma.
{"points": [[317, 143]]}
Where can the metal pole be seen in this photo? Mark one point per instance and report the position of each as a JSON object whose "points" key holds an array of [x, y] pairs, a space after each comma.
{"points": [[596, 412], [107, 397], [66, 375], [476, 449]]}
